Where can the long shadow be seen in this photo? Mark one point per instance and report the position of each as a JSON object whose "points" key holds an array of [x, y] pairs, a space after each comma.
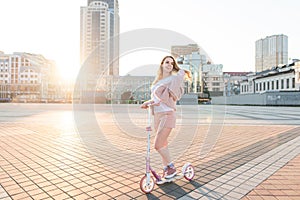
{"points": [[210, 194], [179, 188], [206, 172], [175, 191]]}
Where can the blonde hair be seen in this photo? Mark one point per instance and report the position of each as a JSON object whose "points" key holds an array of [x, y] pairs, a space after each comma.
{"points": [[159, 75]]}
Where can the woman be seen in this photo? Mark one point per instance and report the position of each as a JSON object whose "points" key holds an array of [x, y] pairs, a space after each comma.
{"points": [[166, 89]]}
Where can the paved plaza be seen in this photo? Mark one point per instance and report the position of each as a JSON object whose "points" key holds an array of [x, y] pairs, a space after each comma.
{"points": [[65, 151]]}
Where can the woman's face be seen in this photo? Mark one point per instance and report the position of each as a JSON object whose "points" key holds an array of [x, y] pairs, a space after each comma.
{"points": [[167, 65]]}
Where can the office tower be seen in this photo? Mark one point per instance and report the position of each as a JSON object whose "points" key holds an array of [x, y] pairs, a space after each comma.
{"points": [[114, 31], [271, 52], [99, 42]]}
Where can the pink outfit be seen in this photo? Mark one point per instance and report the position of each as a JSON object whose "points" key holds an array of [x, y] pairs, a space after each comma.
{"points": [[164, 120], [168, 91]]}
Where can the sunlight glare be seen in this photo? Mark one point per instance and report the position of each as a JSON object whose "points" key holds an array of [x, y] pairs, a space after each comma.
{"points": [[67, 71]]}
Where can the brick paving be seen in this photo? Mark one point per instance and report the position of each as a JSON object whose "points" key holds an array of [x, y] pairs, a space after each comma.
{"points": [[44, 155], [237, 182], [283, 184]]}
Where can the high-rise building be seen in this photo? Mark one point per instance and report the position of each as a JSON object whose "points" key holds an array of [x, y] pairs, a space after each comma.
{"points": [[114, 31], [271, 52], [99, 42]]}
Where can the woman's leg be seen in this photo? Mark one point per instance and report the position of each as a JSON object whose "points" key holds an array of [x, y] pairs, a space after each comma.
{"points": [[161, 145]]}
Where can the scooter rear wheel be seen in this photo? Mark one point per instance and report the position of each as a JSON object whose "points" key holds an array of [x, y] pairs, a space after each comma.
{"points": [[147, 188], [189, 173]]}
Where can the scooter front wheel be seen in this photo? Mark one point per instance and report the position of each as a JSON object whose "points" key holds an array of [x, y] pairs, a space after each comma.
{"points": [[147, 187], [189, 173]]}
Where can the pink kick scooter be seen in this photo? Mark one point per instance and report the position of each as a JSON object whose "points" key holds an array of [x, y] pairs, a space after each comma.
{"points": [[147, 183]]}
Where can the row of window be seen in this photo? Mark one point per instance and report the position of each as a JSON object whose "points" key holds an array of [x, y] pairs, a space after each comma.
{"points": [[215, 84], [22, 76], [31, 76], [272, 85], [31, 81], [22, 81]]}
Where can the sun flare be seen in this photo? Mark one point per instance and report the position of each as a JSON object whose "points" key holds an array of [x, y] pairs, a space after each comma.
{"points": [[67, 71]]}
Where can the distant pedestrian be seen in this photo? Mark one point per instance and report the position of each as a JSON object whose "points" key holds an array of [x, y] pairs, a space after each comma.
{"points": [[166, 89]]}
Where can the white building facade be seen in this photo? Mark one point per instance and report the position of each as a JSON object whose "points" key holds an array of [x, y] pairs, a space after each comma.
{"points": [[26, 76], [213, 78], [283, 78]]}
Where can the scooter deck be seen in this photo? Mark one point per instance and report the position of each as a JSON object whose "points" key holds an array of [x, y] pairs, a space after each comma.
{"points": [[168, 180]]}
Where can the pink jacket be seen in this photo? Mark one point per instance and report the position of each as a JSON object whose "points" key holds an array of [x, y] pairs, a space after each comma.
{"points": [[171, 91]]}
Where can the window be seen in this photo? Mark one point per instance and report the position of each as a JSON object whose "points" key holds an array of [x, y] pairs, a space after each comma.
{"points": [[264, 86], [272, 85], [260, 87], [293, 82], [277, 84], [268, 85], [282, 84], [287, 83]]}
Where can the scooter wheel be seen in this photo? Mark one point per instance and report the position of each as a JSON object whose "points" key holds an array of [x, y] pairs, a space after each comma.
{"points": [[147, 187], [189, 173]]}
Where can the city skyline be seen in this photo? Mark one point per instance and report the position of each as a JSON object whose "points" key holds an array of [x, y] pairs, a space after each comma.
{"points": [[227, 31]]}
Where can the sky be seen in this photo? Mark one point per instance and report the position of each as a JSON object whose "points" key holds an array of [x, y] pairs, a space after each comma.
{"points": [[226, 30]]}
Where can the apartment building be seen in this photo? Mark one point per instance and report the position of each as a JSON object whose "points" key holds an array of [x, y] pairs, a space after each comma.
{"points": [[270, 52], [26, 76]]}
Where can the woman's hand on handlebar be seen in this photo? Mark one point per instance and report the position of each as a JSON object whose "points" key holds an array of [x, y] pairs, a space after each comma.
{"points": [[146, 104]]}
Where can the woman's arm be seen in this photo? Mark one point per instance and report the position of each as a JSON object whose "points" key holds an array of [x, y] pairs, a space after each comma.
{"points": [[146, 104], [172, 90]]}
